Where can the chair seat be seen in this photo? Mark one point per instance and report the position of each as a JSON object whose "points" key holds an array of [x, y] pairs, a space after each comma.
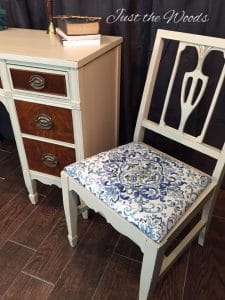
{"points": [[149, 189]]}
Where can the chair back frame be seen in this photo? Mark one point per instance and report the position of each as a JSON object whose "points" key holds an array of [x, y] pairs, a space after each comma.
{"points": [[203, 45]]}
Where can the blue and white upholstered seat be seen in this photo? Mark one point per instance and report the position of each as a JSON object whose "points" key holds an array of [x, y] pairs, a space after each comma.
{"points": [[148, 188]]}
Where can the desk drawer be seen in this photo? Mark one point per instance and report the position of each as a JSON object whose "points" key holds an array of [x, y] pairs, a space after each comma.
{"points": [[48, 158], [45, 120], [38, 81]]}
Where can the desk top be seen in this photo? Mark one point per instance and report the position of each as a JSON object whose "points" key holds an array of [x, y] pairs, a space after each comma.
{"points": [[31, 45]]}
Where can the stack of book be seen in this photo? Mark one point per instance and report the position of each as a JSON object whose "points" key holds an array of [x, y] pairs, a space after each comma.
{"points": [[77, 30]]}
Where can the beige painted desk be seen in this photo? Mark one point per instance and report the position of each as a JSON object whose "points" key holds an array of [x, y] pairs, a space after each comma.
{"points": [[63, 102]]}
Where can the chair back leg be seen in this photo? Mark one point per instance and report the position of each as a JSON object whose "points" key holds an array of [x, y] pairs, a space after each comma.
{"points": [[84, 212], [206, 216]]}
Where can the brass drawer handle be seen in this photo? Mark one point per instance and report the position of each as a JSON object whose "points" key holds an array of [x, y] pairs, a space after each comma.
{"points": [[37, 82], [44, 122], [49, 160]]}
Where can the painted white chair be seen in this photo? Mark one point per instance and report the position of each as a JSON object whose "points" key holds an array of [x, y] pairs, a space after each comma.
{"points": [[145, 194]]}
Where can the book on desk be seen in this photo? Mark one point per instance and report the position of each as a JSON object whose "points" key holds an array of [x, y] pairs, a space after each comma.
{"points": [[76, 30], [76, 40]]}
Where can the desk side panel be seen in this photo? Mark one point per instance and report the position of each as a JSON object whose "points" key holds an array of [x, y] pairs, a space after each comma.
{"points": [[99, 83]]}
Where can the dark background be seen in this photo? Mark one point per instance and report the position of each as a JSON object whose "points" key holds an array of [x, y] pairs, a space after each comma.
{"points": [[136, 52]]}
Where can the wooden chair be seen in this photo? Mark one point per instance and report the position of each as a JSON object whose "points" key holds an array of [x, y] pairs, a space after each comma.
{"points": [[142, 192]]}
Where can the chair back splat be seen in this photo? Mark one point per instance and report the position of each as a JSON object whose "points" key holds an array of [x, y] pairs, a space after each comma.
{"points": [[144, 193]]}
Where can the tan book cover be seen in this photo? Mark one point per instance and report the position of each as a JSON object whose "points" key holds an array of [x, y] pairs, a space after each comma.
{"points": [[78, 25]]}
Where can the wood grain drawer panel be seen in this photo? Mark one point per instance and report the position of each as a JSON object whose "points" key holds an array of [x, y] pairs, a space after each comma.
{"points": [[32, 115], [30, 80], [36, 150]]}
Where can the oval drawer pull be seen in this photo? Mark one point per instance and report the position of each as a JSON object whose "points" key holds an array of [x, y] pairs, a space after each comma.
{"points": [[44, 122], [49, 160], [37, 82]]}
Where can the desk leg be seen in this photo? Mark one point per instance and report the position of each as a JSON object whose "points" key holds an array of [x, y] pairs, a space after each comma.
{"points": [[31, 186], [33, 196]]}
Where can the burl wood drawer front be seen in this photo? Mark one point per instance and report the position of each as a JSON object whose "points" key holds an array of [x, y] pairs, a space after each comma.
{"points": [[47, 158], [46, 121], [40, 82]]}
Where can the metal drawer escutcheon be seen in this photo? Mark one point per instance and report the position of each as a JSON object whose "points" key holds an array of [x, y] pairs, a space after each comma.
{"points": [[44, 122], [49, 160], [37, 82]]}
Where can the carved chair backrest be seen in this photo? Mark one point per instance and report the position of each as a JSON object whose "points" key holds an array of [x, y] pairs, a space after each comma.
{"points": [[192, 92]]}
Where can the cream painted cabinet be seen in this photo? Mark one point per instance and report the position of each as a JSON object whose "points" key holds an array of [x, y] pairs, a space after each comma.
{"points": [[63, 102]]}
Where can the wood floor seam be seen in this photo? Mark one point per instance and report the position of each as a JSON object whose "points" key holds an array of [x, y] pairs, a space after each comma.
{"points": [[106, 267], [10, 285], [20, 244], [7, 151], [11, 236], [10, 173], [49, 232], [15, 278], [47, 194], [220, 217], [65, 266], [186, 271], [127, 257], [15, 195], [38, 278]]}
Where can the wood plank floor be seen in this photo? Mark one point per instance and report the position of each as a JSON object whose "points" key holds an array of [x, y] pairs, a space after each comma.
{"points": [[36, 261]]}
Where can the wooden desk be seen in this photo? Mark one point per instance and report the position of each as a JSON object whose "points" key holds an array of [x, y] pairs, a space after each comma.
{"points": [[63, 102]]}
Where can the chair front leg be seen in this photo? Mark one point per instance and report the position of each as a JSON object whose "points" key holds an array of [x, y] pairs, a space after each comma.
{"points": [[70, 203], [150, 271]]}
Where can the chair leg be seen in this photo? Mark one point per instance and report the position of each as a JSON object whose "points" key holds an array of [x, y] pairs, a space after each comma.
{"points": [[206, 216], [151, 266], [85, 213], [70, 203], [83, 206]]}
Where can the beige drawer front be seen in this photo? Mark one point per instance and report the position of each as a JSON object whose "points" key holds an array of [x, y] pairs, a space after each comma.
{"points": [[45, 121], [46, 157], [38, 81]]}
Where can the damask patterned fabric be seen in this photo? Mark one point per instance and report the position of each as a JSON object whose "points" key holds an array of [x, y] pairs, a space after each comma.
{"points": [[148, 188]]}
